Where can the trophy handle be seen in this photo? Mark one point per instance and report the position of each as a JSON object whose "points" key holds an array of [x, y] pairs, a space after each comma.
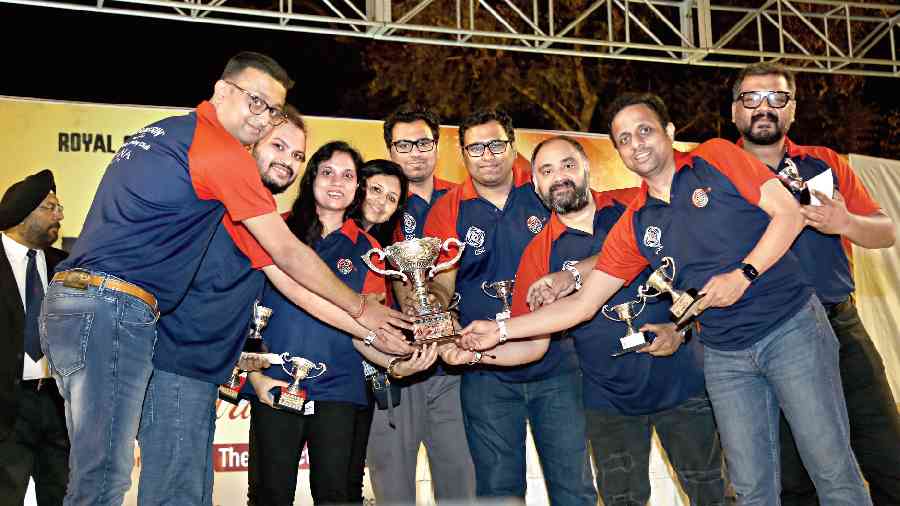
{"points": [[319, 367], [484, 288], [669, 263], [446, 265], [454, 301], [609, 314], [384, 272], [643, 302]]}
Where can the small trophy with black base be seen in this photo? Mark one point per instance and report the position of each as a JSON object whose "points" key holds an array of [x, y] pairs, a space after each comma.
{"points": [[292, 398], [685, 305], [231, 389]]}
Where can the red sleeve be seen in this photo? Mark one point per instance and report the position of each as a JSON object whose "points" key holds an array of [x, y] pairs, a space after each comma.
{"points": [[398, 232], [624, 195], [744, 171], [248, 244], [221, 169], [535, 263], [441, 222], [855, 194], [620, 256]]}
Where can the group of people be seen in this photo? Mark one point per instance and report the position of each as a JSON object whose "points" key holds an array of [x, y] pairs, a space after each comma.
{"points": [[776, 389]]}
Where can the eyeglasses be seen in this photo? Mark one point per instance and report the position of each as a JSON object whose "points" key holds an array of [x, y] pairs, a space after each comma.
{"points": [[497, 147], [52, 208], [753, 99], [259, 106], [424, 145]]}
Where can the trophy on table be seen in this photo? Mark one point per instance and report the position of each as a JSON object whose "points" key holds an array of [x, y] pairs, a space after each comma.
{"points": [[414, 260], [292, 398], [624, 312], [254, 344], [684, 304], [500, 290]]}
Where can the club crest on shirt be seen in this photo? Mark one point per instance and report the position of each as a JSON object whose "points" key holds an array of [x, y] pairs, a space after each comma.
{"points": [[345, 266], [409, 224], [475, 239], [653, 238], [534, 224], [700, 198]]}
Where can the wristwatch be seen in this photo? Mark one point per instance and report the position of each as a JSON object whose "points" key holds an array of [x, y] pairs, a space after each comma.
{"points": [[569, 266], [750, 272]]}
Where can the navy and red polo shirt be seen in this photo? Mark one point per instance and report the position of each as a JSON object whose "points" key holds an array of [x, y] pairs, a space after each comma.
{"points": [[495, 240], [632, 384], [299, 333], [710, 225], [413, 223], [162, 198], [824, 256]]}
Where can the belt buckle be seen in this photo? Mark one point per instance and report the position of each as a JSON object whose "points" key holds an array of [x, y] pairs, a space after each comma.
{"points": [[77, 279]]}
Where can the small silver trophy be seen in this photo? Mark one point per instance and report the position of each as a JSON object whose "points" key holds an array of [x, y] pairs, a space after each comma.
{"points": [[230, 390], [500, 290], [414, 259], [634, 340], [292, 398], [684, 304]]}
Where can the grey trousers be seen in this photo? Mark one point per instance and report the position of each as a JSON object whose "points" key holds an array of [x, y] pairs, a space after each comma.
{"points": [[429, 413]]}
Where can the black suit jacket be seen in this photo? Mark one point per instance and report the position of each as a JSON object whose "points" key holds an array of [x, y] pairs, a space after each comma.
{"points": [[12, 322]]}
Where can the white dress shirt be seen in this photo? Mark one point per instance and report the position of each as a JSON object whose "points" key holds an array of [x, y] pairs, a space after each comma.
{"points": [[17, 255]]}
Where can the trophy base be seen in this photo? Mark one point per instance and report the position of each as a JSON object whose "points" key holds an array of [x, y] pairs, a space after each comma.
{"points": [[631, 343], [434, 328], [255, 345], [287, 401], [686, 306], [230, 391]]}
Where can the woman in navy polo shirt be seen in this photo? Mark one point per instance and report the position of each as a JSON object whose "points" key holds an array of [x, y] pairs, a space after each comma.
{"points": [[337, 412]]}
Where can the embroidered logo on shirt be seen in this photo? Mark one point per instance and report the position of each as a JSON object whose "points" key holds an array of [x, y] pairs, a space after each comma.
{"points": [[475, 239], [345, 266], [409, 224], [653, 238], [534, 224], [700, 198]]}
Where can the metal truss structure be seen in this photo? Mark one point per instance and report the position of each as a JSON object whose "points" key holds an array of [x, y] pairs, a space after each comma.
{"points": [[826, 36]]}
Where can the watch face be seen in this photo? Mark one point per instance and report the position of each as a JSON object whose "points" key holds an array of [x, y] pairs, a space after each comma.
{"points": [[750, 272]]}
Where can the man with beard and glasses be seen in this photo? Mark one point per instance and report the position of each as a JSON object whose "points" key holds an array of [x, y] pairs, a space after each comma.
{"points": [[429, 412], [33, 440], [763, 110], [497, 213], [625, 398]]}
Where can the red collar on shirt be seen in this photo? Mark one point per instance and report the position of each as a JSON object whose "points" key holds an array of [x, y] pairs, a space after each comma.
{"points": [[521, 175]]}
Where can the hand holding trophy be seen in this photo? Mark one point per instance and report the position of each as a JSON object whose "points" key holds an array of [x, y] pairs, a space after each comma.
{"points": [[292, 398], [414, 259], [254, 344], [685, 307]]}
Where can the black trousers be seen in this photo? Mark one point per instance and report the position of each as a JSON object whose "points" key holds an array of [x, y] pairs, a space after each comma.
{"points": [[874, 421], [336, 436], [38, 448]]}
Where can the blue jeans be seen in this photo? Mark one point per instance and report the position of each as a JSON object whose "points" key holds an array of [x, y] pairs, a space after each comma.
{"points": [[621, 447], [176, 437], [100, 346], [495, 412], [795, 368]]}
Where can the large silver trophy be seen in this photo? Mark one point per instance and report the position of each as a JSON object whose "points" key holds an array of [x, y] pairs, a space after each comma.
{"points": [[633, 340], [501, 290], [414, 260], [230, 390], [292, 397], [684, 304]]}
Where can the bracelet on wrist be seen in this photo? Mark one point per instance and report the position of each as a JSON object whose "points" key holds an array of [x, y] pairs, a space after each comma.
{"points": [[370, 338], [476, 357], [504, 333], [569, 266], [390, 368], [362, 308]]}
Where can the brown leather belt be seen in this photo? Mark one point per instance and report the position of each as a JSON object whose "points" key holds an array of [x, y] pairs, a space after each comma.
{"points": [[81, 279]]}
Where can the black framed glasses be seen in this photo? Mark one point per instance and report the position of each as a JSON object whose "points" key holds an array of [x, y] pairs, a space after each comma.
{"points": [[497, 147], [424, 145], [258, 106], [753, 99]]}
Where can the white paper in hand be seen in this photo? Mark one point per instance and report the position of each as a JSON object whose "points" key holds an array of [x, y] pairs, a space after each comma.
{"points": [[823, 183], [271, 357]]}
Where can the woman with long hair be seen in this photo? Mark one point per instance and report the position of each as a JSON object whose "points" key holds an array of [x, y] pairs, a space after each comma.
{"points": [[336, 412], [386, 192]]}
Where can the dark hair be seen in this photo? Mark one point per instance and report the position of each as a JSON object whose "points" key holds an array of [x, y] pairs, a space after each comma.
{"points": [[408, 114], [294, 117], [248, 59], [571, 140], [304, 221], [383, 232], [486, 116], [764, 69], [653, 102]]}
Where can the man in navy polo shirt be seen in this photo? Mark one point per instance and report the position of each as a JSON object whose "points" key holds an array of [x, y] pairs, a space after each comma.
{"points": [[727, 222], [429, 411], [150, 225], [497, 213], [763, 110]]}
